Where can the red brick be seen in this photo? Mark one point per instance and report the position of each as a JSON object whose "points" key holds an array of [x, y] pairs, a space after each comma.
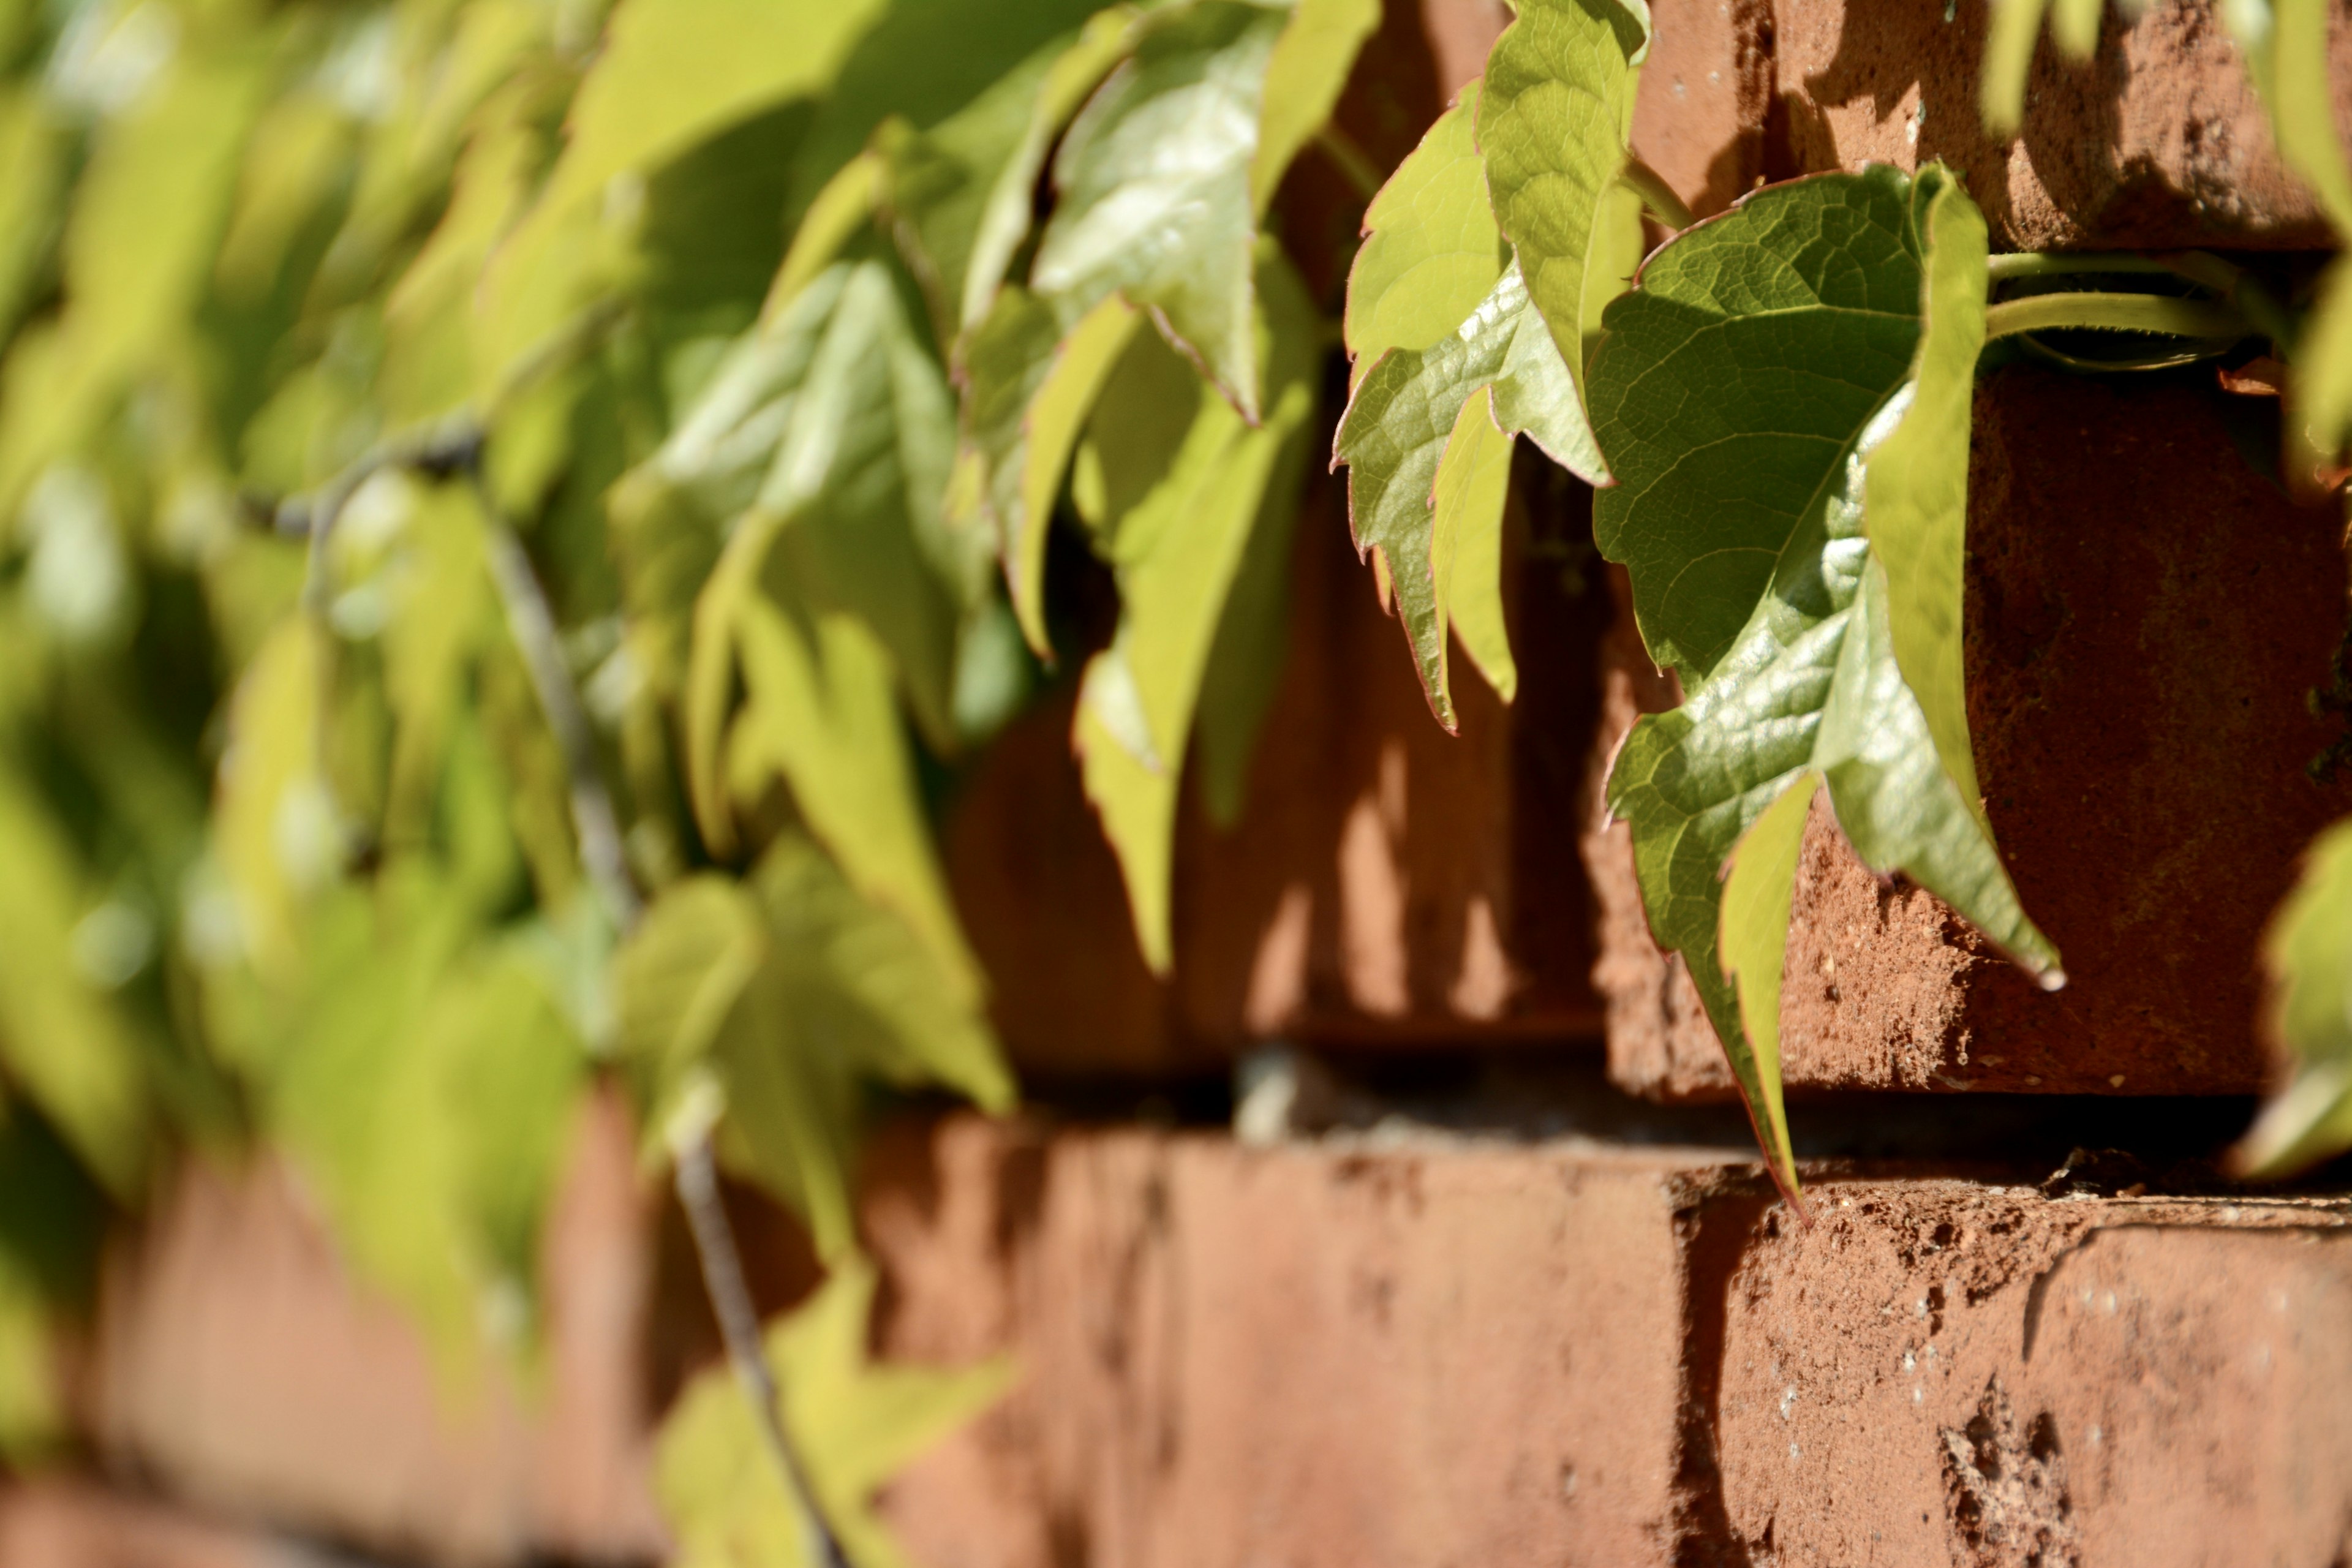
{"points": [[61, 1523], [2158, 141], [1330, 1353], [1943, 1372], [1706, 94], [240, 1366]]}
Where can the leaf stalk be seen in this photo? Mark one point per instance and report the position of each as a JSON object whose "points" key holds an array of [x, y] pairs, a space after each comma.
{"points": [[2115, 313]]}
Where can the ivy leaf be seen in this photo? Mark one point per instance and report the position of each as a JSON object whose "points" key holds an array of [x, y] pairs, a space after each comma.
{"points": [[1466, 543], [1431, 250], [824, 444], [1759, 883], [1028, 388], [792, 993], [2308, 952], [137, 252], [819, 712], [856, 1424], [1785, 397], [65, 1043], [1303, 82], [1553, 120], [1173, 503], [1394, 438], [1154, 181], [2285, 45]]}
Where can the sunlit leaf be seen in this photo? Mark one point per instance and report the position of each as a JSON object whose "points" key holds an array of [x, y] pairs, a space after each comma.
{"points": [[857, 1422], [1759, 883], [1174, 503], [1553, 119], [2308, 956], [1310, 65], [137, 251], [1744, 518], [1466, 545], [1431, 250], [1394, 436], [1028, 390], [1154, 183]]}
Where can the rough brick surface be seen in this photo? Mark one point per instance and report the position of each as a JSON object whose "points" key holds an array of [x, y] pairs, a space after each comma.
{"points": [[1942, 1371], [1301, 1355], [2158, 141], [69, 1524], [2146, 614], [1387, 883], [239, 1365], [1700, 114], [1361, 1352]]}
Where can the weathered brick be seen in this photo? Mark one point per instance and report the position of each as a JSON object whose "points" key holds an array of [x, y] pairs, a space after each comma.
{"points": [[1325, 1353], [2158, 141], [1947, 1373], [2146, 614], [57, 1523], [240, 1367], [1700, 115]]}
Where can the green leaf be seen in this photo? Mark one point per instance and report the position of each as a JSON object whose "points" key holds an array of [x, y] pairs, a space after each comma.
{"points": [[672, 72], [834, 215], [927, 63], [819, 712], [1154, 184], [1303, 81], [1751, 393], [1759, 882], [1028, 388], [1466, 544], [2074, 25], [63, 1040], [1394, 436], [32, 185], [1553, 120], [2015, 28], [1431, 250], [2285, 45], [1916, 494], [137, 252], [855, 1424], [1173, 510], [2308, 953], [793, 993]]}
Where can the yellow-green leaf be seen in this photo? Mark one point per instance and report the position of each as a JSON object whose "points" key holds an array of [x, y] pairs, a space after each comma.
{"points": [[1759, 882]]}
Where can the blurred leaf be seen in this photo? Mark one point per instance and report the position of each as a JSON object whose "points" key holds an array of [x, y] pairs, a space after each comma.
{"points": [[819, 711], [62, 1039], [857, 1423], [1431, 250], [32, 185], [1028, 391], [299, 152], [2308, 956], [2015, 28], [275, 826], [1310, 65], [1154, 181], [844, 206], [1177, 507], [137, 251]]}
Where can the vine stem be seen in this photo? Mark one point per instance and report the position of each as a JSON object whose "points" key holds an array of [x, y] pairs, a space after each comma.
{"points": [[2115, 313], [1666, 206], [531, 620], [739, 1326], [452, 446]]}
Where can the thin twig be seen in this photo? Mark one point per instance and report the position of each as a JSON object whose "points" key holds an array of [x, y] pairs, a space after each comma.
{"points": [[531, 622], [1355, 165], [738, 1325]]}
